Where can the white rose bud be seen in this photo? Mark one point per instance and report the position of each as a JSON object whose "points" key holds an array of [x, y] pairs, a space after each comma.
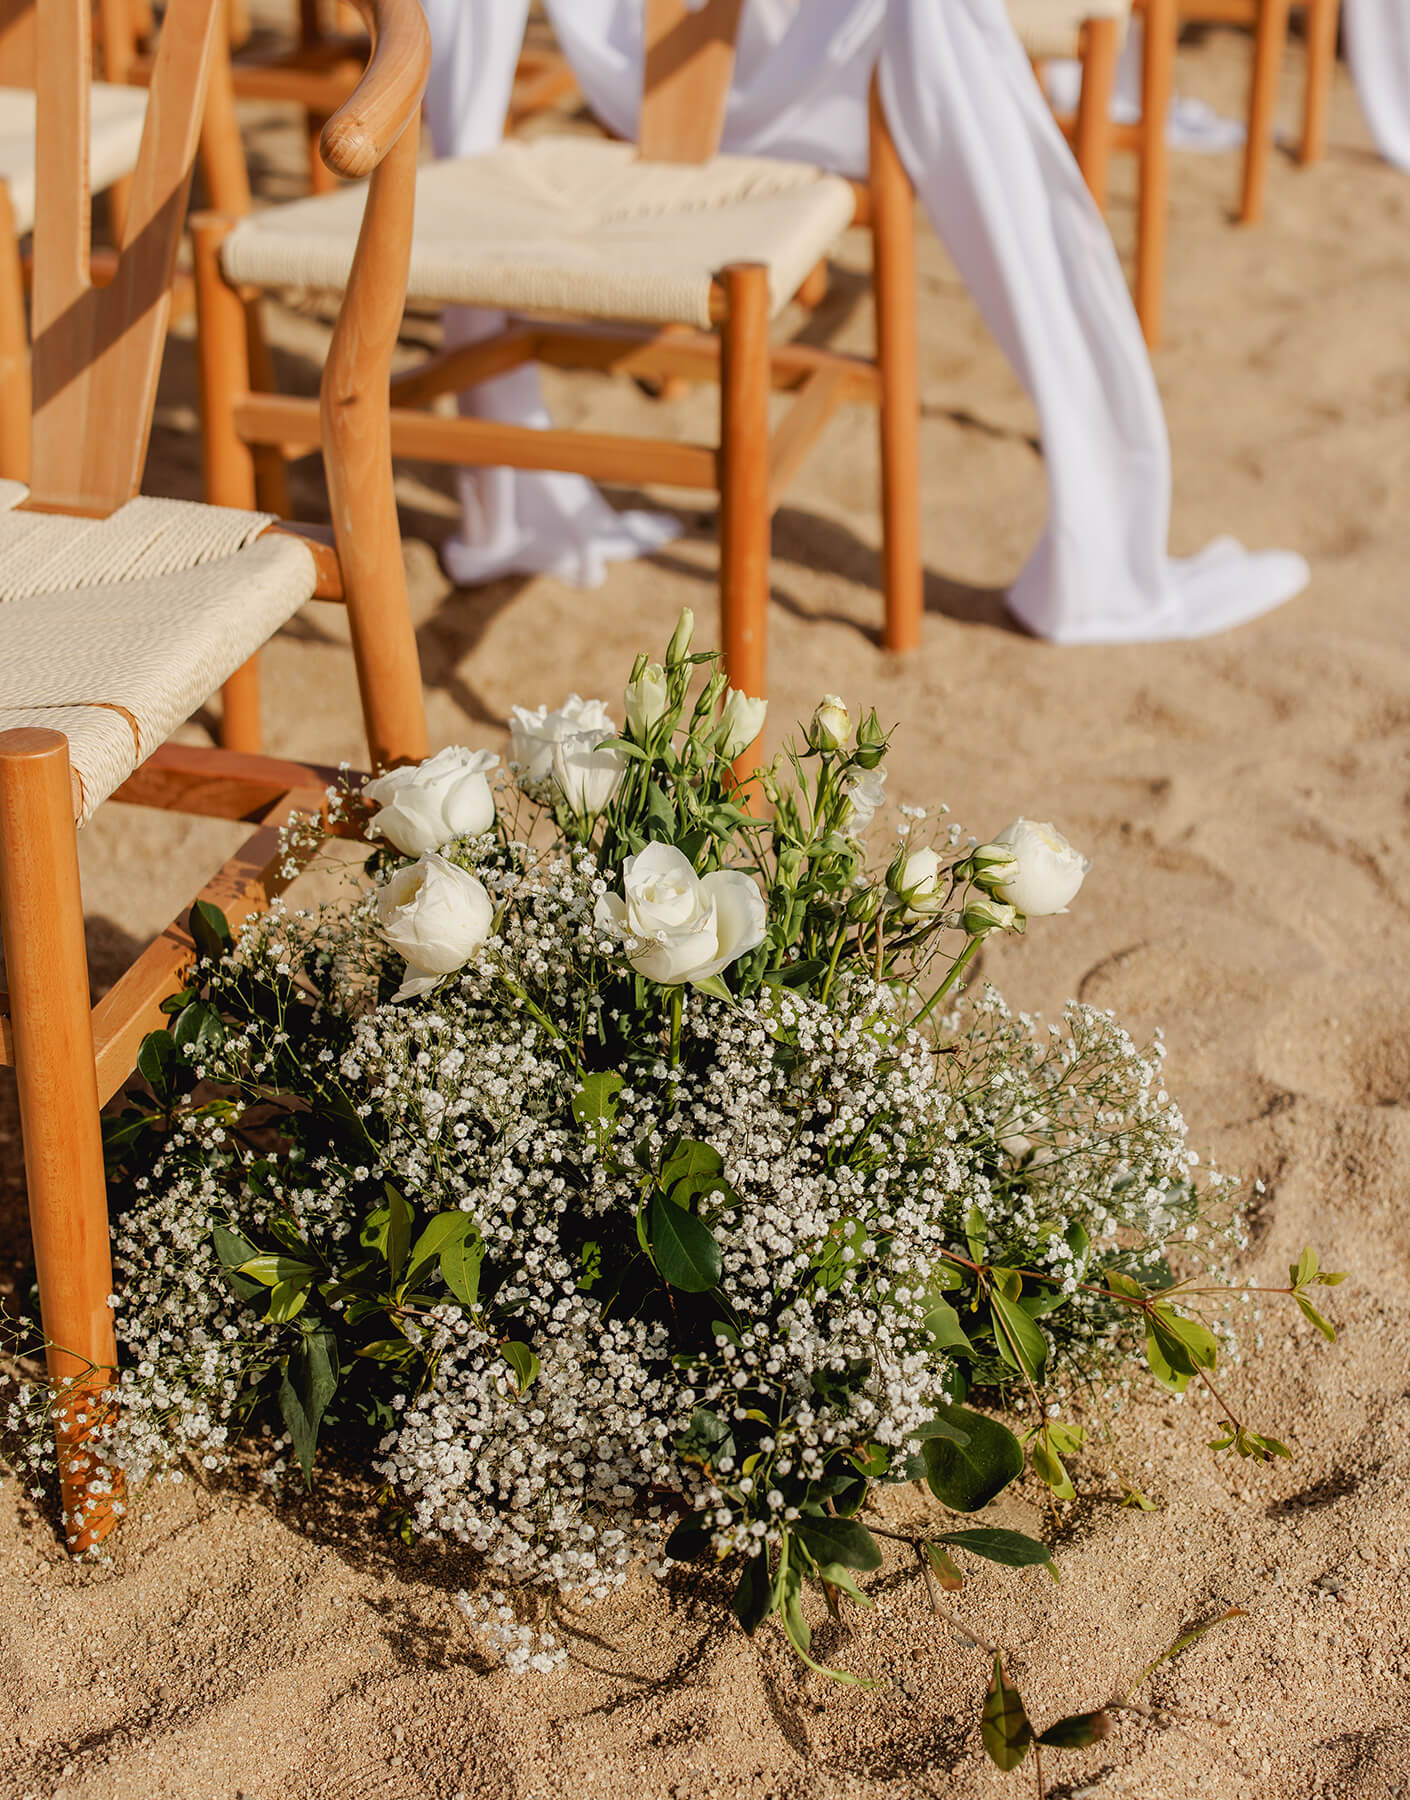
{"points": [[444, 798], [742, 719], [993, 864], [984, 916], [865, 790], [682, 926], [921, 885], [645, 701], [1049, 871], [532, 735], [435, 916], [831, 726], [585, 776], [679, 646]]}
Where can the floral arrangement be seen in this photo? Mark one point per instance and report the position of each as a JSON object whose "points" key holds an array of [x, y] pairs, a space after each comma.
{"points": [[620, 1171]]}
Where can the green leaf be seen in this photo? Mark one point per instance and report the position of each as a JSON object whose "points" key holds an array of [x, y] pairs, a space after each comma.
{"points": [[460, 1268], [1305, 1268], [688, 1159], [941, 1428], [210, 931], [270, 1268], [1197, 1338], [385, 1350], [1065, 1439], [307, 1382], [753, 1598], [1077, 1730], [838, 1576], [1166, 1355], [1123, 1284], [706, 1439], [444, 1229], [198, 1026], [287, 1300], [683, 1248], [976, 1233], [1009, 1282], [690, 1541], [1182, 1642], [1021, 1344], [832, 1540], [967, 1476], [595, 1106], [523, 1362], [157, 1063], [1310, 1312], [1004, 1726], [1011, 1548], [715, 986], [231, 1248], [1048, 1467], [947, 1571], [399, 1218], [946, 1333]]}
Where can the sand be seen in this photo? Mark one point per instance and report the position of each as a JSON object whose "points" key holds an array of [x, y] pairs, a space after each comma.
{"points": [[1245, 801]]}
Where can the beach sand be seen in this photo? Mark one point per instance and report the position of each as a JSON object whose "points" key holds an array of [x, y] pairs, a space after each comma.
{"points": [[1245, 803]]}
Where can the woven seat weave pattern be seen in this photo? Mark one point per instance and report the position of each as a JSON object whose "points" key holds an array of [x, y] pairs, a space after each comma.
{"points": [[1052, 27], [115, 130], [569, 225], [115, 630]]}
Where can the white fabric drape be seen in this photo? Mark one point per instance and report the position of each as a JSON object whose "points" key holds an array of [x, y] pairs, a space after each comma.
{"points": [[1378, 50], [1001, 188]]}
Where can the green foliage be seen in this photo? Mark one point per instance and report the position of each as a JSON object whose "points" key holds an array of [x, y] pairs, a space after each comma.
{"points": [[973, 1462]]}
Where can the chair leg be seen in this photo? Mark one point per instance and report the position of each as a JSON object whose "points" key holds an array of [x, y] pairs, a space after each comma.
{"points": [[271, 470], [1322, 19], [222, 352], [1269, 43], [15, 397], [814, 289], [1101, 50], [745, 520], [1157, 86], [41, 913], [894, 278]]}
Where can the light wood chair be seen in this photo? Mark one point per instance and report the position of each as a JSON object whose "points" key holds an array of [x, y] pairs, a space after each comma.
{"points": [[701, 251], [1268, 20], [1091, 30], [120, 615]]}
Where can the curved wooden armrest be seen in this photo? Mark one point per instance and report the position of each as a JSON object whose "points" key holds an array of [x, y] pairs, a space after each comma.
{"points": [[385, 101]]}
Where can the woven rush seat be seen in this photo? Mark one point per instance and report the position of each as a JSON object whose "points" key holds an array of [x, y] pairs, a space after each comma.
{"points": [[116, 135], [569, 224], [115, 630], [1052, 27]]}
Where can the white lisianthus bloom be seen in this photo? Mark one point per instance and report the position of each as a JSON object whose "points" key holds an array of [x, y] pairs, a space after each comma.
{"points": [[832, 724], [681, 926], [435, 916], [920, 885], [742, 720], [532, 735], [1049, 872], [585, 776], [865, 790], [436, 801], [645, 701]]}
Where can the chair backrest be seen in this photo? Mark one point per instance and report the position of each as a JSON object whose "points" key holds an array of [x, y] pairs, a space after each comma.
{"points": [[689, 66], [98, 350]]}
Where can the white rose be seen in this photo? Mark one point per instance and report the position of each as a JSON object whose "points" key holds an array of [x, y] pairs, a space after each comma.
{"points": [[435, 916], [831, 726], [742, 720], [443, 798], [920, 885], [687, 927], [532, 735], [1049, 873], [645, 701], [585, 776], [865, 790]]}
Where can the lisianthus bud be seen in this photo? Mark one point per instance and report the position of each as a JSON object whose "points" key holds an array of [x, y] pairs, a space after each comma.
{"points": [[918, 882], [831, 724], [993, 865], [740, 723], [864, 905], [645, 700], [679, 647], [791, 864], [983, 916], [871, 742], [1049, 870]]}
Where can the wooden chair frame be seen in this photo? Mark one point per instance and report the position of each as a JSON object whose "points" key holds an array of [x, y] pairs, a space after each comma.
{"points": [[96, 356], [689, 63]]}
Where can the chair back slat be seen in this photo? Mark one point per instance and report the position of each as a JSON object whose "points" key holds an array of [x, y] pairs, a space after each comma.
{"points": [[17, 43], [97, 351], [689, 66]]}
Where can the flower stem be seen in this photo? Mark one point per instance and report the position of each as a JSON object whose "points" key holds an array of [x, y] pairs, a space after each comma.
{"points": [[957, 968]]}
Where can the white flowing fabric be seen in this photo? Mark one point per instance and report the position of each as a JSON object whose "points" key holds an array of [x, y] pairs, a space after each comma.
{"points": [[1378, 50], [1002, 189]]}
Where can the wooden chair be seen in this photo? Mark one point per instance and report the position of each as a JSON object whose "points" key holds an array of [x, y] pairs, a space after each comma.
{"points": [[1268, 20], [702, 251], [95, 677], [1092, 31]]}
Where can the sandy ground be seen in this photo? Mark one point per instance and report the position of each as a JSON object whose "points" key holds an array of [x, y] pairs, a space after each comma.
{"points": [[1245, 801]]}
